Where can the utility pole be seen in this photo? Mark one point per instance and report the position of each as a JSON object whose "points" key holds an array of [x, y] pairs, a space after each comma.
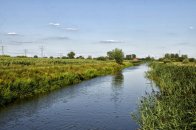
{"points": [[60, 55], [179, 52], [2, 48], [42, 51], [25, 52]]}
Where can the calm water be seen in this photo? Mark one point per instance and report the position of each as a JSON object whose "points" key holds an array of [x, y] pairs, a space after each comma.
{"points": [[103, 103]]}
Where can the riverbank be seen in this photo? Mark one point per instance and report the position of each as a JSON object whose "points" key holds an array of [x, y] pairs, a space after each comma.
{"points": [[25, 77], [174, 107]]}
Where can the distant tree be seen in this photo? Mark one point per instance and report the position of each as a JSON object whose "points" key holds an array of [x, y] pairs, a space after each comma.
{"points": [[176, 55], [118, 55], [184, 56], [64, 57], [101, 58], [21, 56], [172, 55], [71, 55], [80, 57], [167, 55], [51, 57], [5, 56], [35, 56], [128, 57], [191, 59], [89, 57]]}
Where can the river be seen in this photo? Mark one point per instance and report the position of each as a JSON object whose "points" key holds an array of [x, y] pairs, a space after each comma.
{"points": [[102, 103]]}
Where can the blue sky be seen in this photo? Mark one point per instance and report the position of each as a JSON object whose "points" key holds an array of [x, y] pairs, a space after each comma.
{"points": [[93, 27]]}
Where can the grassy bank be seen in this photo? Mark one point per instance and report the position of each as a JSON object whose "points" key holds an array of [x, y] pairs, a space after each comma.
{"points": [[174, 107], [24, 77]]}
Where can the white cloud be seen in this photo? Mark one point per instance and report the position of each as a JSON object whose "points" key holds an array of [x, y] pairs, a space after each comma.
{"points": [[12, 33], [191, 28], [57, 38], [70, 29], [54, 24], [111, 41]]}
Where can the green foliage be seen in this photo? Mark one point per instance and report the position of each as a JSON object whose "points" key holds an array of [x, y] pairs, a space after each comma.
{"points": [[117, 55], [185, 61], [71, 55], [24, 77], [167, 61], [174, 107], [101, 58], [35, 56]]}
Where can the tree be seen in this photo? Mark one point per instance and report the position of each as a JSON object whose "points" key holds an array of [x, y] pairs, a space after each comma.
{"points": [[80, 57], [35, 56], [184, 56], [176, 55], [110, 55], [118, 55], [71, 55], [167, 55]]}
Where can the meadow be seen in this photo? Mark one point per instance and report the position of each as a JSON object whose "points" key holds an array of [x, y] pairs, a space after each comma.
{"points": [[26, 77], [174, 106]]}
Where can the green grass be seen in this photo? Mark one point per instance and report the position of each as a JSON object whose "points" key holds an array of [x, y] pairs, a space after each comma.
{"points": [[174, 107], [25, 77]]}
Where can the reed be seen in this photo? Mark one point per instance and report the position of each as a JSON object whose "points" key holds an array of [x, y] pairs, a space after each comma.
{"points": [[174, 106]]}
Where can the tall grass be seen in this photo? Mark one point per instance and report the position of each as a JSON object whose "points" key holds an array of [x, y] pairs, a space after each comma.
{"points": [[24, 77], [174, 107]]}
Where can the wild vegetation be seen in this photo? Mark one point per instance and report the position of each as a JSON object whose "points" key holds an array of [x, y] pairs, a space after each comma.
{"points": [[22, 77], [174, 106]]}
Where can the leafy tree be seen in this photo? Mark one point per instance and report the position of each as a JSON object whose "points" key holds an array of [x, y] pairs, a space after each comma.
{"points": [[71, 55], [64, 57], [176, 55], [101, 58], [184, 56], [167, 55], [80, 57], [110, 55], [35, 56], [118, 55]]}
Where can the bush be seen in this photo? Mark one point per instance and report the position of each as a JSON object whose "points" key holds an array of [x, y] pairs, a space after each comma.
{"points": [[185, 61]]}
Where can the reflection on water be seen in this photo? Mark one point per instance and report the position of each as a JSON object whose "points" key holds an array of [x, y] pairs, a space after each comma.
{"points": [[118, 79], [117, 84], [102, 103]]}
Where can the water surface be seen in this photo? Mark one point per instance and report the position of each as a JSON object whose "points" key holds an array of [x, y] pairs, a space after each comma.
{"points": [[103, 103]]}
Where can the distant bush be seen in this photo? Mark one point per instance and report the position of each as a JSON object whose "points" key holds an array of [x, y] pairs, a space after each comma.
{"points": [[5, 56], [191, 59], [21, 56], [101, 58], [167, 61], [185, 61]]}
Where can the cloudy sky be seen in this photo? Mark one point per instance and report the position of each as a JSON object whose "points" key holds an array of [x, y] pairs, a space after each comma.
{"points": [[93, 27]]}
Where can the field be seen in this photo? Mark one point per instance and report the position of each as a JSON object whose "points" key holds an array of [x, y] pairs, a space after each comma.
{"points": [[24, 77], [174, 107]]}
